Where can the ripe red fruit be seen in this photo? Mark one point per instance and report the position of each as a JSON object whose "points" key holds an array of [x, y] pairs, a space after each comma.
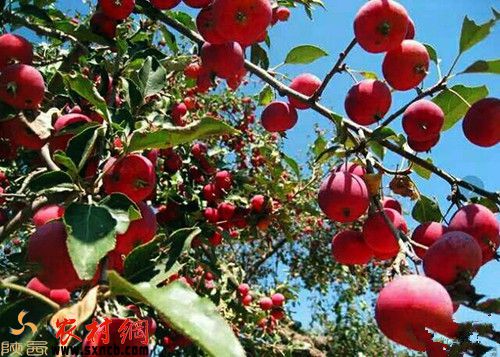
{"points": [[368, 101], [246, 300], [198, 150], [277, 314], [406, 66], [278, 117], [173, 161], [258, 203], [225, 60], [133, 175], [409, 305], [278, 299], [179, 110], [59, 141], [343, 197], [380, 25], [211, 192], [389, 202], [14, 49], [223, 180], [215, 239], [243, 289], [423, 146], [47, 248], [139, 232], [103, 25], [117, 9], [423, 120], [36, 285], [21, 86], [452, 255], [226, 211], [479, 222], [410, 33], [192, 70], [207, 27], [132, 346], [265, 303], [378, 234], [426, 234], [211, 214], [60, 296], [165, 4], [352, 168], [21, 135], [281, 13], [306, 84], [481, 124], [350, 248], [198, 3], [48, 213], [243, 21]]}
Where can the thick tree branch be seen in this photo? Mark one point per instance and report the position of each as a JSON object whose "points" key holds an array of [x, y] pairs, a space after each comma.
{"points": [[284, 90], [337, 68]]}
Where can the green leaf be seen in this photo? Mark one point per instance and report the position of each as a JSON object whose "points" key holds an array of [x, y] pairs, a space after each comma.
{"points": [[382, 133], [266, 95], [304, 54], [151, 78], [122, 209], [181, 243], [85, 88], [491, 66], [195, 317], [259, 56], [453, 106], [368, 75], [81, 146], [432, 53], [48, 180], [140, 265], [172, 136], [62, 159], [184, 19], [377, 149], [426, 210], [293, 164], [91, 235], [420, 171], [319, 145], [473, 33]]}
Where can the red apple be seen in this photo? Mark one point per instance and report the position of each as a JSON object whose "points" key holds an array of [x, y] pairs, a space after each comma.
{"points": [[368, 101], [378, 234], [426, 234], [481, 124], [350, 248], [307, 84]]}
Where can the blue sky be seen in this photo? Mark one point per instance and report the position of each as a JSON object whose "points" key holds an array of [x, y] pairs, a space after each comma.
{"points": [[437, 23]]}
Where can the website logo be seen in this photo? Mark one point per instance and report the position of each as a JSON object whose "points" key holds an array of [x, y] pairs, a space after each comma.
{"points": [[20, 319]]}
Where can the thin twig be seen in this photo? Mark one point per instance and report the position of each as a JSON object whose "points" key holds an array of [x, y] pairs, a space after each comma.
{"points": [[26, 291]]}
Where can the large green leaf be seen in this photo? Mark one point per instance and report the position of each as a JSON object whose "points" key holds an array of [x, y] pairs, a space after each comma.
{"points": [[491, 66], [91, 235], [426, 210], [81, 146], [453, 105], [180, 243], [122, 209], [171, 136], [140, 264], [473, 33], [151, 78], [423, 172], [86, 89], [304, 54], [48, 180], [259, 56], [266, 95], [195, 317], [432, 53]]}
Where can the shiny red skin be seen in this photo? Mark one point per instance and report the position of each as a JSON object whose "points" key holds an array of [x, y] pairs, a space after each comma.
{"points": [[225, 60], [480, 223], [211, 214], [14, 49], [426, 234], [423, 120], [453, 254], [350, 248], [36, 285], [258, 203], [48, 213], [198, 4], [103, 25], [242, 21], [192, 70], [118, 10], [352, 168], [380, 25], [266, 303], [378, 234], [343, 197], [423, 146], [246, 300], [390, 202], [226, 211], [60, 296], [410, 33], [279, 117], [306, 84], [211, 192], [139, 231], [207, 27], [281, 14], [60, 142], [406, 66], [409, 305], [47, 248], [128, 346], [243, 289], [278, 299], [481, 124], [368, 101], [215, 239], [165, 4], [21, 86], [223, 180], [133, 175]]}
